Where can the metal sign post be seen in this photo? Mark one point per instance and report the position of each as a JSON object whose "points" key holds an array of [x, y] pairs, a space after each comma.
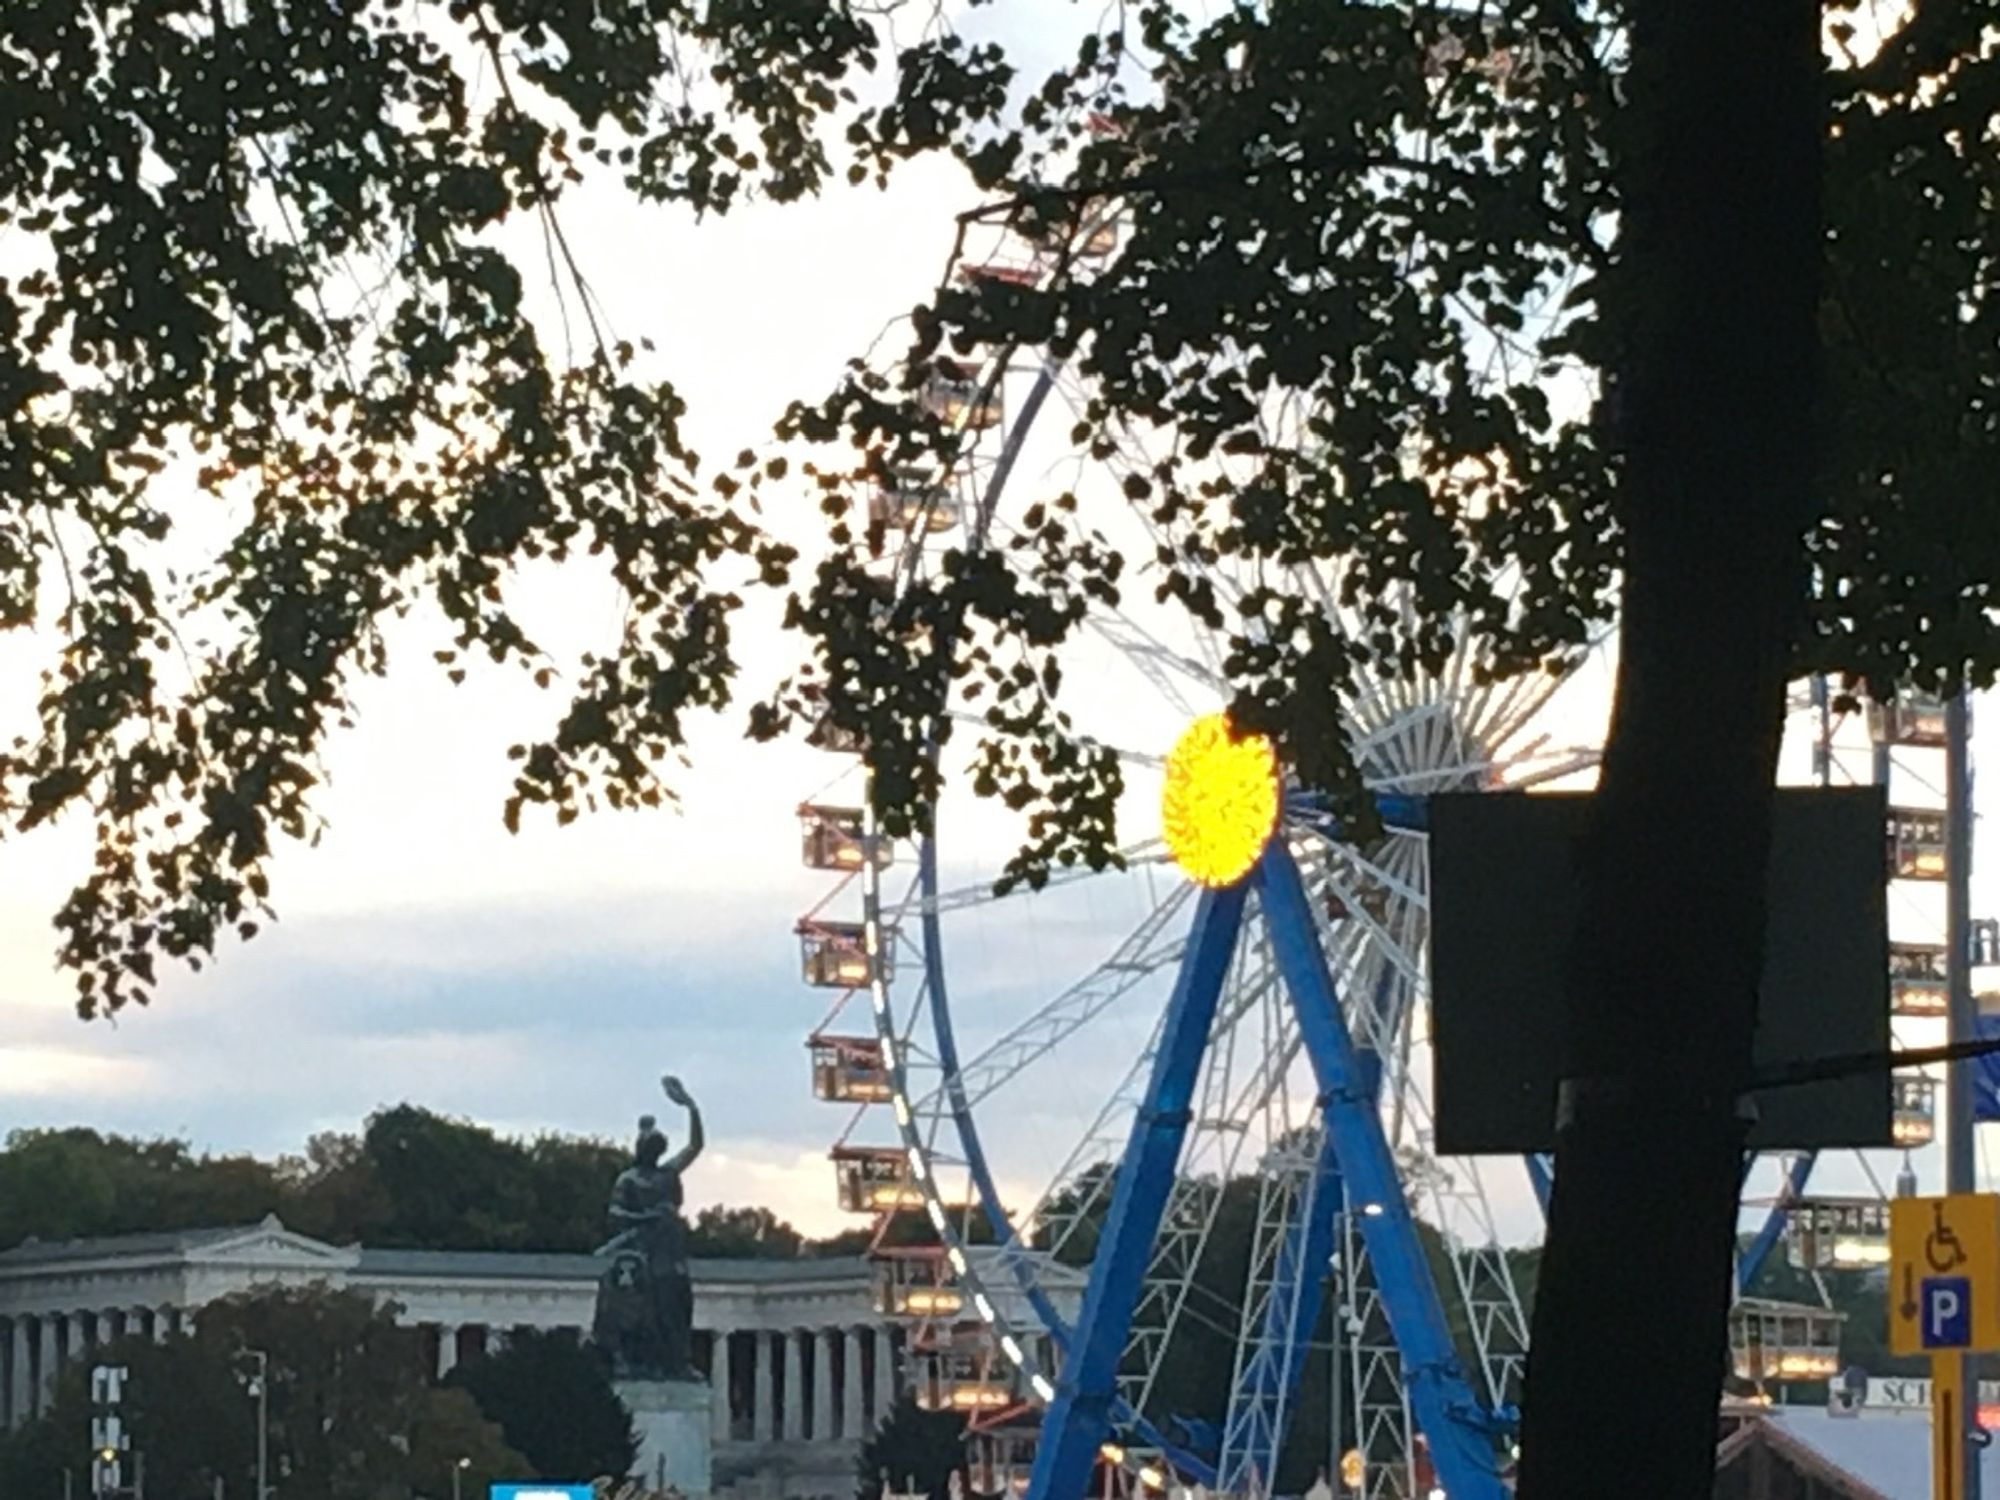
{"points": [[1948, 1427], [1962, 1016]]}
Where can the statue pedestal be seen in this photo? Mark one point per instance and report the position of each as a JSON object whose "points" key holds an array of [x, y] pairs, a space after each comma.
{"points": [[672, 1422]]}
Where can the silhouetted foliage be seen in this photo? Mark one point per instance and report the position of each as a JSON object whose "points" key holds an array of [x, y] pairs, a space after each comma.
{"points": [[75, 1182], [554, 1404], [744, 1234], [351, 1411], [913, 1452], [410, 1178]]}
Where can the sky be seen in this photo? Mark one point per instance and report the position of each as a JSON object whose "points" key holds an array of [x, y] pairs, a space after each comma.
{"points": [[545, 981]]}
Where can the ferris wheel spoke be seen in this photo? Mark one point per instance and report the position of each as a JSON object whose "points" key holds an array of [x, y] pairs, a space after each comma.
{"points": [[1528, 694], [1097, 1148], [1379, 997], [1439, 777], [1394, 876], [1130, 757], [1398, 1008], [1186, 1224], [1092, 1160], [1212, 1156], [1164, 668], [1146, 951], [1134, 856], [1569, 763]]}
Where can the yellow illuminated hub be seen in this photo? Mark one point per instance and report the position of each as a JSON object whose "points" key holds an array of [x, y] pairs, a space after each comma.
{"points": [[1220, 802]]}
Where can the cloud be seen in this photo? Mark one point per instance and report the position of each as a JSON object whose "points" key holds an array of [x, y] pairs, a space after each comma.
{"points": [[53, 1073]]}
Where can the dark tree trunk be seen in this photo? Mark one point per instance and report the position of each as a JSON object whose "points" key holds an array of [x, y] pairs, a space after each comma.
{"points": [[1713, 306]]}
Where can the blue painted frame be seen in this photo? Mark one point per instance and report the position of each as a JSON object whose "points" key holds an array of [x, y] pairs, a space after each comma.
{"points": [[944, 1034], [1460, 1431], [1077, 1421]]}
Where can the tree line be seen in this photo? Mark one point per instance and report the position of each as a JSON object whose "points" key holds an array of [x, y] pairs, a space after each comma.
{"points": [[410, 1178]]}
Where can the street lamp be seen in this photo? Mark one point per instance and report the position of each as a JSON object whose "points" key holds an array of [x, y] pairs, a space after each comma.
{"points": [[456, 1470], [259, 1385]]}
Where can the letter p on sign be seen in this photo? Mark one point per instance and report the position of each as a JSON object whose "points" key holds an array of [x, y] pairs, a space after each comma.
{"points": [[1946, 1313]]}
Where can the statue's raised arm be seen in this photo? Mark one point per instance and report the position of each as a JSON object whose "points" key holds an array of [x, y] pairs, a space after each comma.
{"points": [[677, 1093]]}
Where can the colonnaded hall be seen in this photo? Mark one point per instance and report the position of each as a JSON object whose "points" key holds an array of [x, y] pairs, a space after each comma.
{"points": [[802, 1362]]}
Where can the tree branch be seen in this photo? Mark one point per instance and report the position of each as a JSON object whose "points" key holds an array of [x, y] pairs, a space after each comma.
{"points": [[1580, 239]]}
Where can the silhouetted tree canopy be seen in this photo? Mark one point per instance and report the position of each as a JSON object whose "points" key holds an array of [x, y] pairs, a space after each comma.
{"points": [[409, 1178], [351, 1411], [1359, 316], [553, 1402], [913, 1451]]}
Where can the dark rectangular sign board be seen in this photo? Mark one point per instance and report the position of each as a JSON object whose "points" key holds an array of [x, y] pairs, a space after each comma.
{"points": [[1504, 904]]}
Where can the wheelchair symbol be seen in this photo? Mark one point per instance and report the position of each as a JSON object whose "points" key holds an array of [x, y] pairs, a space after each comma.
{"points": [[1942, 1250]]}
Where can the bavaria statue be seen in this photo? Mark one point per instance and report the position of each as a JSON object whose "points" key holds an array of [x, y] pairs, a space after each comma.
{"points": [[645, 1297]]}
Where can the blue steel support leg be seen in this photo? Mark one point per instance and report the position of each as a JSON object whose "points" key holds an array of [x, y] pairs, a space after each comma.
{"points": [[1453, 1421], [1076, 1422], [1262, 1407], [1541, 1177]]}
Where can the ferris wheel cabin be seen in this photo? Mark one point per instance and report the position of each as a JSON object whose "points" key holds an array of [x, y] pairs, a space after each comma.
{"points": [[1916, 843], [1097, 241], [991, 271], [1783, 1342], [958, 396], [958, 1370], [874, 1179], [835, 838], [848, 1069], [834, 955], [913, 503], [826, 735], [1915, 719], [1917, 979], [1913, 1114], [999, 1460], [1838, 1234], [917, 1282]]}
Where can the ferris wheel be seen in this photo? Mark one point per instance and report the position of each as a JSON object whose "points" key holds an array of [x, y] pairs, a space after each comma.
{"points": [[1058, 1098], [1063, 1104]]}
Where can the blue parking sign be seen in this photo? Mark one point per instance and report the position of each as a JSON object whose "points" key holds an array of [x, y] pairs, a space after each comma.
{"points": [[542, 1492], [1945, 1312]]}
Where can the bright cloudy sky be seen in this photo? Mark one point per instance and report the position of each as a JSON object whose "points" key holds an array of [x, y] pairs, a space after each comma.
{"points": [[547, 980]]}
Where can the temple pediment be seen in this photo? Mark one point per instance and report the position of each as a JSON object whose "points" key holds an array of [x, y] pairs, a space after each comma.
{"points": [[272, 1246]]}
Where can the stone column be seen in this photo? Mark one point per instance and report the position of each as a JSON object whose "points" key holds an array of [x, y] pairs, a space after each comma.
{"points": [[761, 1413], [885, 1373], [163, 1324], [447, 1349], [45, 1374], [719, 1382], [135, 1322], [20, 1389], [73, 1340], [795, 1386], [822, 1416], [851, 1423]]}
